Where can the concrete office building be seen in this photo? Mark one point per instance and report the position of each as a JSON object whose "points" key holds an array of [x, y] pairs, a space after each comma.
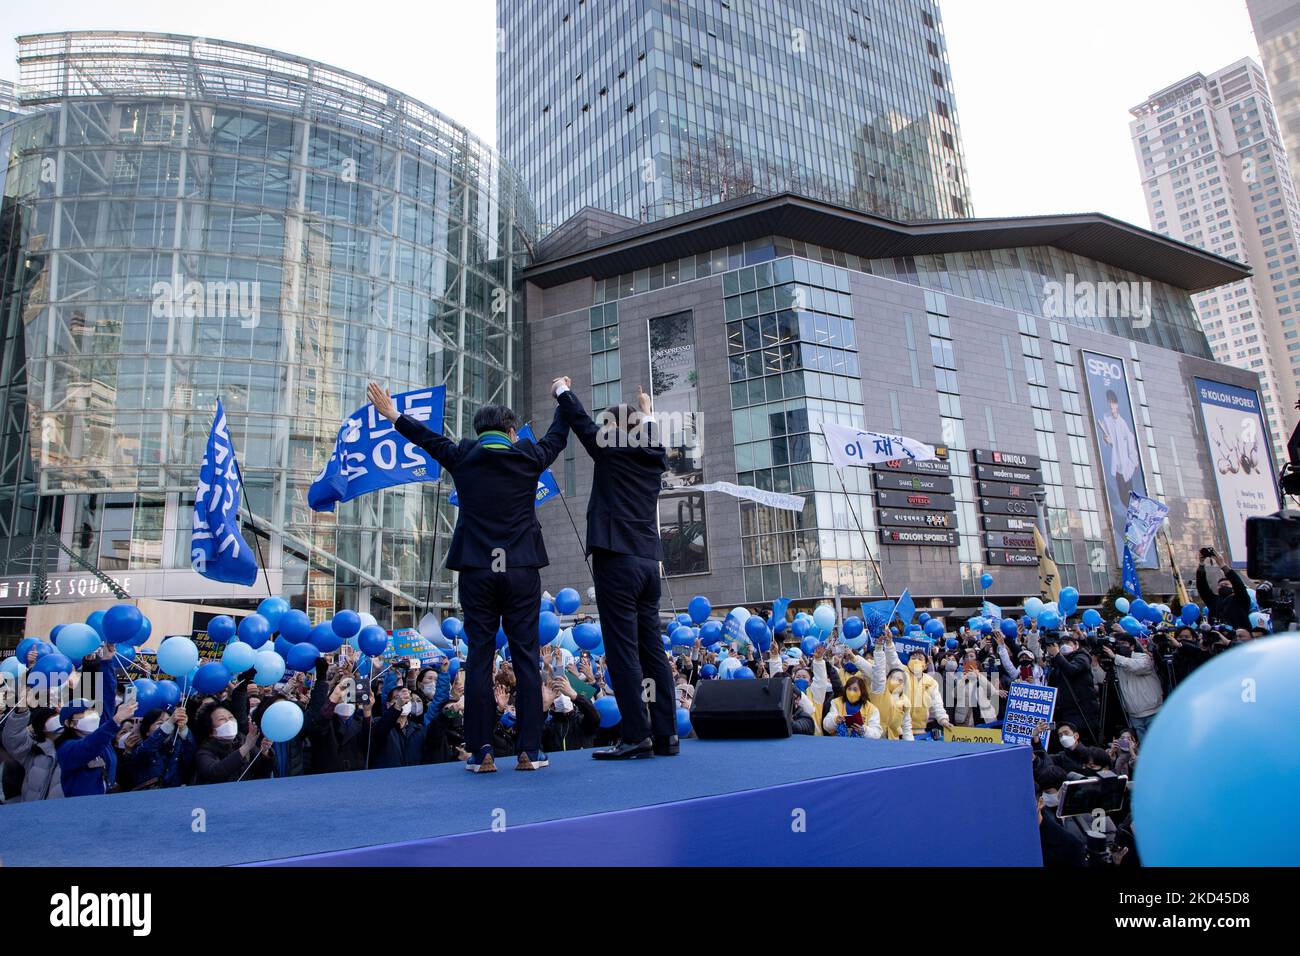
{"points": [[1277, 31], [755, 320], [650, 108], [1215, 174]]}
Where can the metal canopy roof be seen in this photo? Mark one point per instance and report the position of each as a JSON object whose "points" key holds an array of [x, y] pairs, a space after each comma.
{"points": [[1093, 235]]}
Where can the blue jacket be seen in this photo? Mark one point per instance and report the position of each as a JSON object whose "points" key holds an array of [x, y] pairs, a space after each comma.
{"points": [[80, 779], [167, 758], [392, 746]]}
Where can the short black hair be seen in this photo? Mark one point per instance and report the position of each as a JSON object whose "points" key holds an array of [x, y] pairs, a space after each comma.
{"points": [[495, 418]]}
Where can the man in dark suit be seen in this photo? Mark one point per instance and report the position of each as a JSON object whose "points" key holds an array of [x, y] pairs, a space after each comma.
{"points": [[623, 541], [497, 547]]}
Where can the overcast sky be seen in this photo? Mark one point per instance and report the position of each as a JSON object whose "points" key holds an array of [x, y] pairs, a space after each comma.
{"points": [[1043, 86]]}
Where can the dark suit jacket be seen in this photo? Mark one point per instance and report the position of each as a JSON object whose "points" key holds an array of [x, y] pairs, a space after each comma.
{"points": [[497, 489], [623, 512]]}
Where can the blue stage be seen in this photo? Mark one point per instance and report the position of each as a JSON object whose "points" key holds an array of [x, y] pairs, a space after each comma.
{"points": [[802, 801]]}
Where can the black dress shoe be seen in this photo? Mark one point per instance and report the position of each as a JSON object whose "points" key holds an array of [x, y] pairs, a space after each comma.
{"points": [[667, 746], [626, 751]]}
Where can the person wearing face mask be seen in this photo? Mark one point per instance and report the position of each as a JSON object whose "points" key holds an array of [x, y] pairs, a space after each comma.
{"points": [[337, 727], [1229, 602], [1062, 847], [923, 692], [975, 697], [889, 691], [398, 739], [87, 762], [227, 754], [571, 720], [852, 715], [165, 755], [1069, 758], [1139, 684], [29, 734], [1070, 672]]}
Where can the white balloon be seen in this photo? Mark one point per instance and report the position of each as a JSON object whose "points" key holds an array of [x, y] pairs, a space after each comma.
{"points": [[741, 614], [367, 618]]}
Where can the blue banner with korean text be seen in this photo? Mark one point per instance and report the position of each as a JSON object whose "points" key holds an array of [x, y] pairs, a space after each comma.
{"points": [[1027, 706]]}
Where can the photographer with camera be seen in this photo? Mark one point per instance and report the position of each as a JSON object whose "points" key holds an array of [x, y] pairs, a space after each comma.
{"points": [[1229, 602], [1140, 693]]}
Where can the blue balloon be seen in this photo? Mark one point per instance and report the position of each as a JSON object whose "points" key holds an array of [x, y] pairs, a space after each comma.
{"points": [[923, 617], [548, 627], [346, 623], [121, 622], [708, 672], [568, 601], [78, 641], [586, 636], [824, 618], [11, 665], [141, 636], [1131, 625], [148, 695], [684, 619], [699, 609], [324, 638], [282, 645], [373, 640], [1190, 614], [710, 633], [800, 627], [1049, 620], [255, 630], [607, 708], [666, 641], [1033, 606], [809, 644], [96, 620], [853, 626], [951, 643], [986, 580], [742, 673], [1091, 618], [302, 657], [282, 721], [169, 694], [1121, 605], [54, 633], [683, 722], [53, 669], [452, 628], [681, 636], [273, 608], [222, 628], [1138, 608], [548, 604], [1008, 628], [239, 657], [294, 626], [211, 678], [1196, 768], [933, 628], [178, 656], [28, 644], [1068, 602], [756, 628]]}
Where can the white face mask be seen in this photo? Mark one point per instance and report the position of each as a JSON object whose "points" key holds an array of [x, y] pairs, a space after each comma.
{"points": [[226, 731], [562, 705], [417, 708], [429, 687], [1051, 799], [88, 722], [1068, 742], [168, 727], [345, 710], [406, 709], [52, 726]]}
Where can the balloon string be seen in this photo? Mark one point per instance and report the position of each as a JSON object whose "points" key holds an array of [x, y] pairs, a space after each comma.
{"points": [[250, 765]]}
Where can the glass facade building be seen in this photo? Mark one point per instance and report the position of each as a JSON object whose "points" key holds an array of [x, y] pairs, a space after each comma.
{"points": [[337, 232], [650, 108]]}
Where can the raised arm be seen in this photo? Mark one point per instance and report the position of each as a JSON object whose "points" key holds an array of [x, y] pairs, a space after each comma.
{"points": [[577, 418], [440, 448], [551, 444]]}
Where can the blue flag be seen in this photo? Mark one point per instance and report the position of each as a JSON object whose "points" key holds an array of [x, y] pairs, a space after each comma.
{"points": [[779, 607], [1129, 575], [369, 454], [547, 486], [217, 549], [905, 609], [876, 615]]}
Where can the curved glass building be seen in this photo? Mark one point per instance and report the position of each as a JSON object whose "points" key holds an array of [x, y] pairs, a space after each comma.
{"points": [[336, 231]]}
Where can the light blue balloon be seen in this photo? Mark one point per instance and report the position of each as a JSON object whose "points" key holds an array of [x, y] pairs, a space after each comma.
{"points": [[178, 656], [1033, 607], [270, 667], [239, 657], [282, 721], [824, 618], [78, 641], [1121, 605], [12, 665], [1203, 798]]}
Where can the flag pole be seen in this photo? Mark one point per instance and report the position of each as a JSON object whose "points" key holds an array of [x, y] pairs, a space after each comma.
{"points": [[257, 543], [853, 511], [433, 558]]}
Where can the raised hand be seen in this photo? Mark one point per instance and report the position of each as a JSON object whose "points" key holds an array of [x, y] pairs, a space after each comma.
{"points": [[383, 403], [643, 401]]}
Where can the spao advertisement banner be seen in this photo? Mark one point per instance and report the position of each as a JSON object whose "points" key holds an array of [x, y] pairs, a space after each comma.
{"points": [[1239, 449], [1115, 434]]}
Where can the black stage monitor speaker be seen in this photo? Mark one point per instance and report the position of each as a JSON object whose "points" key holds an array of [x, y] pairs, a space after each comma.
{"points": [[731, 709]]}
